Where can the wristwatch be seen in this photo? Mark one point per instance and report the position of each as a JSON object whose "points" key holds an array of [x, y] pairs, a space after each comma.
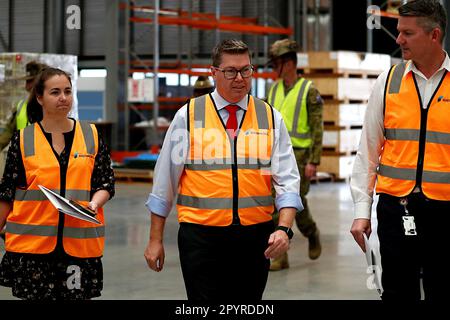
{"points": [[288, 231]]}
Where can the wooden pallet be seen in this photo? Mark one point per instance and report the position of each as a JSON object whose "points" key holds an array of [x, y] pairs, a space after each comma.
{"points": [[341, 140], [347, 90], [323, 177], [344, 62], [337, 165], [129, 175], [343, 114], [332, 73]]}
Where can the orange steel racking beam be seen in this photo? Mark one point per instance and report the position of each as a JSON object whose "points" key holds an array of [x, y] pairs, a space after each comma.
{"points": [[265, 75], [214, 24], [149, 106], [385, 14], [172, 99], [183, 13]]}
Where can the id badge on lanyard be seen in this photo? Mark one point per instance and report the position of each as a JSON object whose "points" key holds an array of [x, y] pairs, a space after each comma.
{"points": [[408, 220]]}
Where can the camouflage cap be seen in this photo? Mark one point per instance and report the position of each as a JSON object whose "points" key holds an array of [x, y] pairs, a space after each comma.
{"points": [[32, 70], [203, 82], [281, 47]]}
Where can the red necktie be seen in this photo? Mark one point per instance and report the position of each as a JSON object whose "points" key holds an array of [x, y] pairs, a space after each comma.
{"points": [[232, 125]]}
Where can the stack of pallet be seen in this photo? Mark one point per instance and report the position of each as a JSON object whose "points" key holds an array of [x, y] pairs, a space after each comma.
{"points": [[345, 80]]}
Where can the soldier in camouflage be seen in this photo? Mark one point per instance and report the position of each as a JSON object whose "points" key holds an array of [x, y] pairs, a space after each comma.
{"points": [[17, 119], [301, 107], [202, 86]]}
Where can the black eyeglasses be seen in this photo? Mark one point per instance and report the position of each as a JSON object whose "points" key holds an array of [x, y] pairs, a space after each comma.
{"points": [[231, 73]]}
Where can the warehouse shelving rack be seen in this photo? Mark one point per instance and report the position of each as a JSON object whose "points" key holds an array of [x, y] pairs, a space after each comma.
{"points": [[131, 62], [390, 12]]}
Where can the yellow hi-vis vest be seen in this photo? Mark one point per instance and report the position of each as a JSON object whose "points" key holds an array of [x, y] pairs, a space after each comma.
{"points": [[21, 115], [32, 226], [293, 110], [227, 181], [417, 146]]}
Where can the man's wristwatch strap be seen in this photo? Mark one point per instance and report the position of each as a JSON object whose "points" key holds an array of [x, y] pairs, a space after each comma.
{"points": [[288, 231]]}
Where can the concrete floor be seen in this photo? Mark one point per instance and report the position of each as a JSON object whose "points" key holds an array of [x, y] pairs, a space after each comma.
{"points": [[339, 274]]}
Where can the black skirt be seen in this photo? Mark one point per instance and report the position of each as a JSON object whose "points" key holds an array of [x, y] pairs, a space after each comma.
{"points": [[53, 276]]}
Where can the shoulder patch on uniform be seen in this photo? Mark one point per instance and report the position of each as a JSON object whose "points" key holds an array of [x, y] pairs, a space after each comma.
{"points": [[319, 99]]}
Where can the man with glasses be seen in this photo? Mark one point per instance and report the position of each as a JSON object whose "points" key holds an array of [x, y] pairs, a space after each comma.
{"points": [[221, 156], [301, 106]]}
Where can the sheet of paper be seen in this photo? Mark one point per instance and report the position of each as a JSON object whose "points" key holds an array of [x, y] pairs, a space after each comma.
{"points": [[373, 267], [65, 206]]}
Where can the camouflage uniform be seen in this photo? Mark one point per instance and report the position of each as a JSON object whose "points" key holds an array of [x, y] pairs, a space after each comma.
{"points": [[33, 68], [8, 131], [280, 52], [314, 105]]}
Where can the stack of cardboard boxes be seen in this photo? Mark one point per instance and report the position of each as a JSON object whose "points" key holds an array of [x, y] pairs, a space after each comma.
{"points": [[12, 90], [345, 80]]}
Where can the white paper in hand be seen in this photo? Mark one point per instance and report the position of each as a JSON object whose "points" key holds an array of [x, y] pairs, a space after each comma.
{"points": [[66, 206], [374, 282]]}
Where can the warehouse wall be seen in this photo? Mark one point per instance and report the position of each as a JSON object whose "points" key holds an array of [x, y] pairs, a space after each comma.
{"points": [[30, 18], [26, 25], [4, 25], [203, 40], [350, 29], [30, 26]]}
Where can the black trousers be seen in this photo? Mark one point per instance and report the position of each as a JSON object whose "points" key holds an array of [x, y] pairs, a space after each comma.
{"points": [[224, 263], [405, 259]]}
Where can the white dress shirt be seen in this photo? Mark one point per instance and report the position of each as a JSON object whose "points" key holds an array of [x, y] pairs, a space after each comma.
{"points": [[170, 164], [364, 173]]}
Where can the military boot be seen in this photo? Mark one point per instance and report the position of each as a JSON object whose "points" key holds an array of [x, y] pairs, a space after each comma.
{"points": [[314, 247], [279, 263]]}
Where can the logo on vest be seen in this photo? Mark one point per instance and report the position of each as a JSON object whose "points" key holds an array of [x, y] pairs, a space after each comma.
{"points": [[442, 98], [80, 155], [261, 133]]}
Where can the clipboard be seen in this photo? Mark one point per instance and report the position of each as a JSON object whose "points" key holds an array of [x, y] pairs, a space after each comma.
{"points": [[69, 207]]}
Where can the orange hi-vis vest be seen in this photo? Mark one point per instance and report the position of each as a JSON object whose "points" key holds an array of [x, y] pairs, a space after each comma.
{"points": [[416, 151], [227, 181], [32, 226]]}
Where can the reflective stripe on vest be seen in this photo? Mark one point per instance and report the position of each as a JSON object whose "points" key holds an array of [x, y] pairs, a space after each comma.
{"points": [[21, 115], [32, 226], [413, 134], [37, 195], [410, 174], [219, 164], [206, 193], [224, 203], [397, 171], [52, 231], [293, 109]]}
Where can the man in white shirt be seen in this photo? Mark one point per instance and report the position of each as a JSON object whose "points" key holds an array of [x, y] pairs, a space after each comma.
{"points": [[405, 152], [221, 155]]}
